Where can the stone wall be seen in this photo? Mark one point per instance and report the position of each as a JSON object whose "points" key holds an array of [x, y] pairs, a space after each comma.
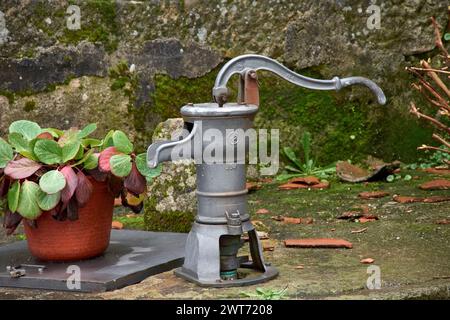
{"points": [[133, 64]]}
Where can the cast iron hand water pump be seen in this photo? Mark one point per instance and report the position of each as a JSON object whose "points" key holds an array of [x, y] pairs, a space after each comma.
{"points": [[212, 246]]}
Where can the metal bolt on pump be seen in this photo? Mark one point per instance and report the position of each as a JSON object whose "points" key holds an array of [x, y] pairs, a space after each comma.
{"points": [[211, 255]]}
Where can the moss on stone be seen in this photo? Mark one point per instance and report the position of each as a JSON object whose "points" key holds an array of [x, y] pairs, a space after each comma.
{"points": [[169, 221], [29, 105], [101, 25], [9, 95], [171, 94]]}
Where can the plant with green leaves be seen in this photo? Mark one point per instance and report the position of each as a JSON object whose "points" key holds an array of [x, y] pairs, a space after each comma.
{"points": [[297, 168], [265, 294], [51, 170]]}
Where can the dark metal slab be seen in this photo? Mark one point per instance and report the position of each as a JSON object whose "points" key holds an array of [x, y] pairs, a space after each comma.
{"points": [[131, 257]]}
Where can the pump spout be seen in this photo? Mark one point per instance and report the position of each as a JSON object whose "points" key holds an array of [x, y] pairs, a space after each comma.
{"points": [[162, 151], [345, 82], [253, 62]]}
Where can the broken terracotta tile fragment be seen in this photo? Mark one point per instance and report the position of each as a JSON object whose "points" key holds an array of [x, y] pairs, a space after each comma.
{"points": [[292, 186], [373, 194], [262, 211], [252, 186], [289, 220], [117, 225], [318, 243], [405, 199], [310, 180], [435, 199], [439, 184], [364, 219], [443, 221], [438, 171], [432, 199], [117, 202], [367, 261], [321, 185], [277, 218], [304, 183], [268, 245], [351, 173]]}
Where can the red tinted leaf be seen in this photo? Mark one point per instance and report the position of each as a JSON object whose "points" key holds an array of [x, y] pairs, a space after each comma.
{"points": [[72, 209], [103, 159], [84, 189], [22, 168], [71, 183], [45, 135], [115, 185], [11, 221], [4, 186], [135, 182]]}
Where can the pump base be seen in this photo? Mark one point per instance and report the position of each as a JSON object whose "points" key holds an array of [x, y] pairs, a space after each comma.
{"points": [[269, 274]]}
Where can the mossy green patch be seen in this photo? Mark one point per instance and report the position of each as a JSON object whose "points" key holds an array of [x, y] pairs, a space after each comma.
{"points": [[169, 221], [30, 105], [135, 222], [171, 94], [99, 25]]}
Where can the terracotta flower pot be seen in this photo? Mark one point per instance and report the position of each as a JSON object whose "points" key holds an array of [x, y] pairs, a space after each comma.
{"points": [[67, 240]]}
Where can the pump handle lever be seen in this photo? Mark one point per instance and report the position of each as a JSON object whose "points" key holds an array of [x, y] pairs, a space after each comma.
{"points": [[244, 63]]}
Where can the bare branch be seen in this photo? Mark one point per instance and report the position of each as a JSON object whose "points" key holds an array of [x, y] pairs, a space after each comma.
{"points": [[441, 140], [430, 69], [435, 77], [413, 109], [438, 40], [425, 147]]}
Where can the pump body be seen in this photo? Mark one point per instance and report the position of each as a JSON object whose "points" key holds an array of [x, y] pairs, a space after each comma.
{"points": [[222, 218]]}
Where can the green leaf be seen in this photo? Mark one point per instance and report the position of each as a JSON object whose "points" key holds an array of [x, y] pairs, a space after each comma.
{"points": [[293, 169], [56, 133], [447, 37], [48, 201], [87, 130], [120, 165], [6, 153], [80, 153], [91, 162], [107, 140], [91, 142], [21, 145], [52, 182], [290, 154], [28, 200], [121, 142], [28, 129], [48, 151], [70, 150], [85, 157], [390, 178], [13, 196], [68, 136], [407, 177], [141, 164]]}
